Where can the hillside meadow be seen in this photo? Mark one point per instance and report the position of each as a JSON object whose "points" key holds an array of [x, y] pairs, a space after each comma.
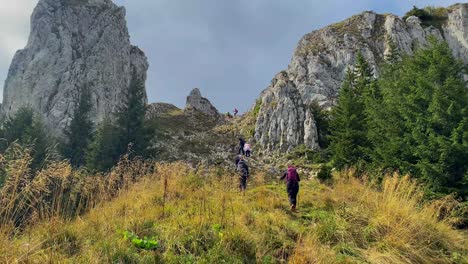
{"points": [[143, 212]]}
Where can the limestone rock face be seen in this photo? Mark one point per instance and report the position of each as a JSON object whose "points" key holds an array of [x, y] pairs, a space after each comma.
{"points": [[320, 61], [195, 101], [284, 120], [456, 32], [73, 45]]}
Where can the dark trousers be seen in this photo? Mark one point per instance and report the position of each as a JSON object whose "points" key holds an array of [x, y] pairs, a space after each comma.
{"points": [[292, 187], [242, 183], [241, 150]]}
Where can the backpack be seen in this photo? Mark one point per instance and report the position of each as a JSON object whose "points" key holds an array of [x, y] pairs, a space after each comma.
{"points": [[292, 174], [242, 169]]}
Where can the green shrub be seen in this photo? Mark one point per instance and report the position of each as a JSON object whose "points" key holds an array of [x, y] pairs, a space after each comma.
{"points": [[429, 16], [145, 243], [418, 12], [325, 173], [256, 109]]}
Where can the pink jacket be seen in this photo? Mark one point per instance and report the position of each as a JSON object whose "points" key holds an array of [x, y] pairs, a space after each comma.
{"points": [[247, 147]]}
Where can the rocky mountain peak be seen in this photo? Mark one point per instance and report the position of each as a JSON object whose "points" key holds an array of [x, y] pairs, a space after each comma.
{"points": [[77, 2], [195, 101], [73, 45], [320, 61]]}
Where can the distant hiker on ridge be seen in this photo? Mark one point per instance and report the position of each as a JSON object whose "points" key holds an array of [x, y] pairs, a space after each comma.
{"points": [[236, 111], [247, 149], [243, 170], [241, 146], [292, 185]]}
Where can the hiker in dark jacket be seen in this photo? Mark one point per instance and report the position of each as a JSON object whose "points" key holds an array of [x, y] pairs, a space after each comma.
{"points": [[292, 185], [238, 158], [243, 170], [241, 146]]}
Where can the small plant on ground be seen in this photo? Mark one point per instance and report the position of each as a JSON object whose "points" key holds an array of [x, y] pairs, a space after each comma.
{"points": [[146, 243]]}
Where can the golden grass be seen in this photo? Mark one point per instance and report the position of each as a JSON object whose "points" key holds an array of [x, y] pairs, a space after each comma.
{"points": [[56, 190], [199, 216]]}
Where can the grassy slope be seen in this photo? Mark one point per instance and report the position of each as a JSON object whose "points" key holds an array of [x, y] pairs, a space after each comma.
{"points": [[192, 137], [200, 217]]}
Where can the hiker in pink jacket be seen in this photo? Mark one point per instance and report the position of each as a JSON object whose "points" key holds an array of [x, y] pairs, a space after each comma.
{"points": [[292, 185], [247, 149]]}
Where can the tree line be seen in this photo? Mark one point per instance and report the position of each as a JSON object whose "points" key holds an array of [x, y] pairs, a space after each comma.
{"points": [[413, 118], [97, 149]]}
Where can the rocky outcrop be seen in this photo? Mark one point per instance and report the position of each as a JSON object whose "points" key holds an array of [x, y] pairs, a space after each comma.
{"points": [[456, 32], [320, 61], [196, 102], [156, 109], [73, 45], [190, 136], [284, 121]]}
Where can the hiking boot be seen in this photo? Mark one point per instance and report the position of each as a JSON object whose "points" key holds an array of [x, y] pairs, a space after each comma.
{"points": [[293, 208]]}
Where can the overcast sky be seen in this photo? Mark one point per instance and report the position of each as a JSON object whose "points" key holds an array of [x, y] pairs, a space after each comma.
{"points": [[230, 49]]}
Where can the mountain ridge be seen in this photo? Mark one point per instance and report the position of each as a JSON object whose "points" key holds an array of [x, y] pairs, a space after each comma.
{"points": [[320, 60]]}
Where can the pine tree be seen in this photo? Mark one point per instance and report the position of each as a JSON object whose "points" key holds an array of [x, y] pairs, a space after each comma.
{"points": [[393, 55], [26, 129], [351, 117], [80, 131], [322, 120], [127, 133], [425, 111], [131, 118], [363, 74], [347, 125], [103, 152]]}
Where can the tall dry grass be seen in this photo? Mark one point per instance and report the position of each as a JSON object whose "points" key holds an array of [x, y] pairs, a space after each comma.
{"points": [[56, 190], [197, 215], [392, 224]]}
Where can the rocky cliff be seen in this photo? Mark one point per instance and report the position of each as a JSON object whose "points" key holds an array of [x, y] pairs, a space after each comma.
{"points": [[321, 58], [284, 121], [73, 45]]}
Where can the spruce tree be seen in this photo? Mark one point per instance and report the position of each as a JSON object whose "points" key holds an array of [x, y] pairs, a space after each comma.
{"points": [[127, 132], [393, 55], [80, 131], [425, 111], [131, 118], [350, 118], [103, 152], [26, 129], [322, 121], [347, 125], [363, 74]]}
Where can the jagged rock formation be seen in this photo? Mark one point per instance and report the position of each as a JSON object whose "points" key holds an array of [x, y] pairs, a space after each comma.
{"points": [[320, 61], [284, 121], [73, 45], [196, 102]]}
